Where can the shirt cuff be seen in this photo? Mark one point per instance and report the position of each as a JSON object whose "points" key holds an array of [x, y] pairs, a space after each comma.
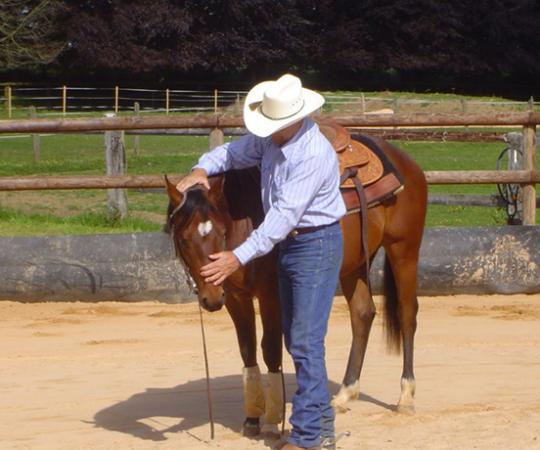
{"points": [[245, 252], [204, 166]]}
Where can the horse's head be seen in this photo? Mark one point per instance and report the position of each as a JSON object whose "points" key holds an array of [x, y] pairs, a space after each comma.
{"points": [[198, 229]]}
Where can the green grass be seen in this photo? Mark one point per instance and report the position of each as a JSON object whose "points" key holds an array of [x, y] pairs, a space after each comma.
{"points": [[16, 223], [83, 211], [428, 96], [459, 156], [65, 154], [464, 216]]}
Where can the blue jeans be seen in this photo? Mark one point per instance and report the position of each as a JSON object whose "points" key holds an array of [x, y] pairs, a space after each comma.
{"points": [[308, 271]]}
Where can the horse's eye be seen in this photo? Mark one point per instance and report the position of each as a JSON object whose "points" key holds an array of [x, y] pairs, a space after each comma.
{"points": [[182, 240]]}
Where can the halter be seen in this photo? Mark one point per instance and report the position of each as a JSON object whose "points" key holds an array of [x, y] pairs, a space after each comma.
{"points": [[190, 281]]}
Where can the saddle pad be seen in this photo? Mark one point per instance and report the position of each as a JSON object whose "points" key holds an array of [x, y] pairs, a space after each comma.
{"points": [[376, 193]]}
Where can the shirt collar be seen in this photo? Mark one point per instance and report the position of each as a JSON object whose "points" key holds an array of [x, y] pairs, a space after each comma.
{"points": [[300, 137]]}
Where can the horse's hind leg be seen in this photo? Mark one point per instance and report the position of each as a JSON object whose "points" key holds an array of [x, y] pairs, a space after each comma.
{"points": [[362, 312], [240, 308], [401, 273]]}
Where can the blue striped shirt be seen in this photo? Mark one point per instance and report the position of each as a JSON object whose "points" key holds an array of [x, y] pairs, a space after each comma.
{"points": [[299, 183]]}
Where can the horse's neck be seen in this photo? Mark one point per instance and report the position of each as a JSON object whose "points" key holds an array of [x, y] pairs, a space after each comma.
{"points": [[242, 192]]}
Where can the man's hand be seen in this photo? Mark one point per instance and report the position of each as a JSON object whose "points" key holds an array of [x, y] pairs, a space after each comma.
{"points": [[197, 176], [223, 264]]}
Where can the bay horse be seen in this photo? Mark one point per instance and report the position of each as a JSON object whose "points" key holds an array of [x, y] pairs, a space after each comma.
{"points": [[204, 222]]}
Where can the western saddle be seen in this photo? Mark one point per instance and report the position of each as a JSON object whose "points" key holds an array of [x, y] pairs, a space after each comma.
{"points": [[365, 171]]}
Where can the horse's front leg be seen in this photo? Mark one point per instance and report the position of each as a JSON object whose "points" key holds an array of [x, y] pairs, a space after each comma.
{"points": [[272, 353], [240, 307], [362, 312]]}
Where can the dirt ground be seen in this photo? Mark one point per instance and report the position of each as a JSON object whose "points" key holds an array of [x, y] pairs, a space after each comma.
{"points": [[131, 376]]}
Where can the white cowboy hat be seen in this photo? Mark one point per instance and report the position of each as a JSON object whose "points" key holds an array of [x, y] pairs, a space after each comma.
{"points": [[271, 106]]}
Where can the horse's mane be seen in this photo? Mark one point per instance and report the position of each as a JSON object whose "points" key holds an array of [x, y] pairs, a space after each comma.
{"points": [[195, 201], [242, 192]]}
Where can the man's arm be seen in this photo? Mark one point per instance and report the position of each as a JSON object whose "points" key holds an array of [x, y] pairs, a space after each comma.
{"points": [[293, 198], [244, 152]]}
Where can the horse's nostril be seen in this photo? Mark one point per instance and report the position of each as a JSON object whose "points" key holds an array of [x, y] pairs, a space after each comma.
{"points": [[211, 306]]}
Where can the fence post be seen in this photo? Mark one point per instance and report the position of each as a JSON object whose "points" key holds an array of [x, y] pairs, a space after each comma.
{"points": [[116, 95], [395, 105], [464, 108], [216, 138], [35, 137], [8, 100], [531, 103], [215, 100], [115, 161], [529, 163], [136, 138], [363, 102], [167, 101], [64, 100], [5, 98]]}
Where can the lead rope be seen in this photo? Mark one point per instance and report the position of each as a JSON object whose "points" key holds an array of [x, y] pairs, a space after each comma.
{"points": [[208, 390], [283, 408], [193, 288]]}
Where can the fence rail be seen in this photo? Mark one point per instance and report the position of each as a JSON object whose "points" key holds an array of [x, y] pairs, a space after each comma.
{"points": [[64, 100], [31, 183], [230, 121], [527, 120]]}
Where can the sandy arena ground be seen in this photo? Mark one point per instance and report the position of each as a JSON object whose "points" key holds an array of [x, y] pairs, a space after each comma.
{"points": [[131, 376]]}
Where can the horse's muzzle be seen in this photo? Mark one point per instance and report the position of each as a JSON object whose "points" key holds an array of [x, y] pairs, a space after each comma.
{"points": [[210, 305]]}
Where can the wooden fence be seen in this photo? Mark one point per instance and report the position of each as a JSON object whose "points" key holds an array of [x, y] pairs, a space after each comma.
{"points": [[527, 177], [64, 100]]}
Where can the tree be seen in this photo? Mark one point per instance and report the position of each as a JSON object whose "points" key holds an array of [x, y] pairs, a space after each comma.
{"points": [[420, 44], [167, 36], [30, 32], [428, 43]]}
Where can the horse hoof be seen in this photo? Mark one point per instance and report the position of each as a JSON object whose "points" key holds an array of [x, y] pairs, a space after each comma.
{"points": [[339, 407], [407, 410], [251, 427], [270, 430]]}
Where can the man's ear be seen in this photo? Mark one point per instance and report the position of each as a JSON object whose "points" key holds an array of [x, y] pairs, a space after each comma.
{"points": [[175, 196]]}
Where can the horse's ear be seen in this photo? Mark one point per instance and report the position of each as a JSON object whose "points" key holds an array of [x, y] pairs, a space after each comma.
{"points": [[174, 195], [216, 188]]}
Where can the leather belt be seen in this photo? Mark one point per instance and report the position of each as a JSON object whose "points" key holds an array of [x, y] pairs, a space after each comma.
{"points": [[304, 230]]}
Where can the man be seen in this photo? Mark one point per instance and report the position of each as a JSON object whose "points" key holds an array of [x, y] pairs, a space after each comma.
{"points": [[302, 205]]}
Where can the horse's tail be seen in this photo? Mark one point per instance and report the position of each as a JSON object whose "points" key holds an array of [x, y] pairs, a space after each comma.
{"points": [[391, 309]]}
